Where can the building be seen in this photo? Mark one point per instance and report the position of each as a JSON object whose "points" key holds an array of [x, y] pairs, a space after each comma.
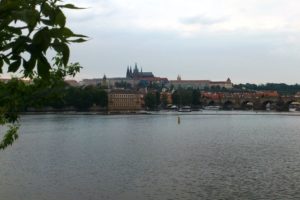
{"points": [[72, 83], [5, 80], [136, 74], [94, 82], [145, 77], [200, 84], [195, 84], [262, 94], [124, 101], [222, 84], [166, 96]]}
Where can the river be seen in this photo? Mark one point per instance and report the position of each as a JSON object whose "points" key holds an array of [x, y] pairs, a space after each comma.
{"points": [[212, 155]]}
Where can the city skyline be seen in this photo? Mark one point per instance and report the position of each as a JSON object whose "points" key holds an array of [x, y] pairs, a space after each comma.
{"points": [[249, 41]]}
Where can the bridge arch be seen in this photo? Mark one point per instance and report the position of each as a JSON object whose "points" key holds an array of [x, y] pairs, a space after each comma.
{"points": [[292, 105], [211, 103], [228, 105], [267, 105], [247, 105]]}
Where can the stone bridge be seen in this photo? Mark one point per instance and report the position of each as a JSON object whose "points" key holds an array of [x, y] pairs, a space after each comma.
{"points": [[248, 103]]}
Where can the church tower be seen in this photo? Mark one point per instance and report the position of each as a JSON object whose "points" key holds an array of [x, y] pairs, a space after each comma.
{"points": [[178, 78], [127, 73]]}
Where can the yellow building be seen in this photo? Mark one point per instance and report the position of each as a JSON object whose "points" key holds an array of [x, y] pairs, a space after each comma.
{"points": [[124, 101]]}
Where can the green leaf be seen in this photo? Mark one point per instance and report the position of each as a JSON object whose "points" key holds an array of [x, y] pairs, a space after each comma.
{"points": [[56, 33], [66, 54], [29, 16], [42, 39], [20, 44], [15, 30], [79, 35], [46, 9], [10, 136], [1, 65], [8, 5], [70, 6], [30, 64], [47, 22], [78, 40], [67, 32], [6, 60], [13, 67], [64, 49], [43, 67], [60, 19]]}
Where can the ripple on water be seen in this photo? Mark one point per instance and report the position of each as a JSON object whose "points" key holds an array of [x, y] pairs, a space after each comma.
{"points": [[152, 157]]}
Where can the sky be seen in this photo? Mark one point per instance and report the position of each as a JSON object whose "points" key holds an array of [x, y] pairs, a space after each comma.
{"points": [[256, 41]]}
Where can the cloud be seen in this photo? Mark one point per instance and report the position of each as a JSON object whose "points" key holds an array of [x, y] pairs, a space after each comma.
{"points": [[196, 38], [202, 20], [202, 15]]}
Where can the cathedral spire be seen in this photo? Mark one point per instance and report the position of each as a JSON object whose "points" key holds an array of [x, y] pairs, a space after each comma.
{"points": [[127, 73]]}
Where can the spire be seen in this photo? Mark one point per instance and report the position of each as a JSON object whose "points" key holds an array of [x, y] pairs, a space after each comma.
{"points": [[127, 73], [130, 72], [178, 78], [135, 71]]}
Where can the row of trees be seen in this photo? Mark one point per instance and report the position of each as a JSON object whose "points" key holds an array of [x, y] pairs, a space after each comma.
{"points": [[57, 94], [281, 88], [180, 97]]}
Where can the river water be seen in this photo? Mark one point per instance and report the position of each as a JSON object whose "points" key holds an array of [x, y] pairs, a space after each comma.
{"points": [[207, 156]]}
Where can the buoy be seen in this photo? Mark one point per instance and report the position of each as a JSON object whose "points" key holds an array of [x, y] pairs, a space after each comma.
{"points": [[178, 120]]}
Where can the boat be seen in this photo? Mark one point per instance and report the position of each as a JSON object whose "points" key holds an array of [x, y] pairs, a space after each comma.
{"points": [[212, 107], [185, 109], [294, 107], [172, 107]]}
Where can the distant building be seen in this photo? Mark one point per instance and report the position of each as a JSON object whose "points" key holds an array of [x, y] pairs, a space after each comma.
{"points": [[4, 80], [94, 81], [200, 84], [134, 77], [222, 84], [72, 83], [113, 82], [136, 74], [124, 101], [261, 94], [166, 96], [146, 77], [297, 95]]}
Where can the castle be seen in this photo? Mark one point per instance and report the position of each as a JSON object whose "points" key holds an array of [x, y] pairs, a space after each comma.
{"points": [[136, 74]]}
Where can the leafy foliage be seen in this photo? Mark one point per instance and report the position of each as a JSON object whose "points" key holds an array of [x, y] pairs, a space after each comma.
{"points": [[150, 100], [183, 97], [281, 88], [28, 30]]}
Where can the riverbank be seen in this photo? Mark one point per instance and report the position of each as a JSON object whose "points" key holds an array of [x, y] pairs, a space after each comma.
{"points": [[165, 112]]}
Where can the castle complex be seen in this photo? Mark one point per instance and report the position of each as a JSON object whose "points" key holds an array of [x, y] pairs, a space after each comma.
{"points": [[136, 74], [200, 84], [135, 77]]}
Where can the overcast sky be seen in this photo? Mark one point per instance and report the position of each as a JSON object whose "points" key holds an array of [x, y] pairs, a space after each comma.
{"points": [[254, 41]]}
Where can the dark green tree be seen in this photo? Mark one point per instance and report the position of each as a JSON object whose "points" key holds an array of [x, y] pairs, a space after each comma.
{"points": [[150, 101], [176, 98], [196, 97], [164, 100]]}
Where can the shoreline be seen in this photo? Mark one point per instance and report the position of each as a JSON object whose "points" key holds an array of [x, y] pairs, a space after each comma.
{"points": [[205, 112]]}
